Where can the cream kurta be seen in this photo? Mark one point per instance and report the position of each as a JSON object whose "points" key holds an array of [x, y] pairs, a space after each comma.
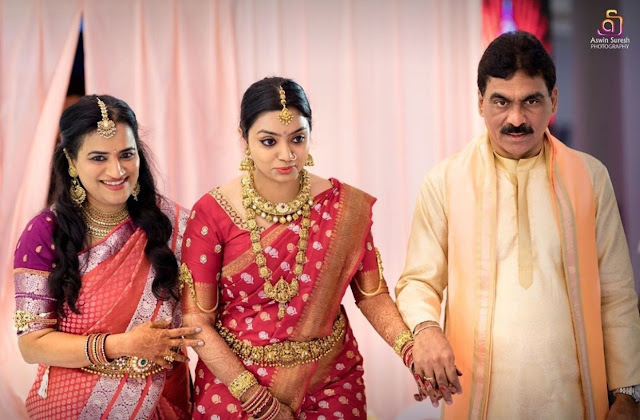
{"points": [[532, 337], [534, 369]]}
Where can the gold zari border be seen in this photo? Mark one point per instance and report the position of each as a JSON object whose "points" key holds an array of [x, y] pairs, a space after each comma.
{"points": [[287, 353], [31, 271]]}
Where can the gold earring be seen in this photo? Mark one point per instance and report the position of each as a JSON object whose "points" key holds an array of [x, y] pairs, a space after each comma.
{"points": [[78, 194], [136, 191], [309, 161], [247, 163]]}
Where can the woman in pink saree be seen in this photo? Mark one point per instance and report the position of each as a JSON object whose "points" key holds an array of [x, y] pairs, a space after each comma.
{"points": [[267, 259], [96, 278]]}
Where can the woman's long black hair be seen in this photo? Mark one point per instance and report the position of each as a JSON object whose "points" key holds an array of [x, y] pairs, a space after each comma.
{"points": [[69, 234]]}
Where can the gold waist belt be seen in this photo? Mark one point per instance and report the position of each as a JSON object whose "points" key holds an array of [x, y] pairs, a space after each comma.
{"points": [[134, 366], [286, 353]]}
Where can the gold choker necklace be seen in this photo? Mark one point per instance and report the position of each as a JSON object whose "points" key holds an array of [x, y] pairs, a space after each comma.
{"points": [[99, 224], [276, 212], [282, 292]]}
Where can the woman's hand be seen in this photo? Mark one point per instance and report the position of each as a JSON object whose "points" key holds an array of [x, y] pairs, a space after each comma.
{"points": [[426, 390], [285, 413], [154, 342], [434, 363]]}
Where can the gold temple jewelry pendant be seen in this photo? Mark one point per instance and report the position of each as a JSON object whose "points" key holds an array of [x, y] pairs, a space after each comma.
{"points": [[282, 292]]}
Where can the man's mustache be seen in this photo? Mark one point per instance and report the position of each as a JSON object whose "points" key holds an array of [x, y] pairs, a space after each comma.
{"points": [[521, 129]]}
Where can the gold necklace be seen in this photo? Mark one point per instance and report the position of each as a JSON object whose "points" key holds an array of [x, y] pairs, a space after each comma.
{"points": [[99, 224], [276, 212], [282, 292]]}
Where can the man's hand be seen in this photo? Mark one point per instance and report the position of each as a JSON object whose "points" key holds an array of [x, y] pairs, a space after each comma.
{"points": [[434, 361], [624, 408]]}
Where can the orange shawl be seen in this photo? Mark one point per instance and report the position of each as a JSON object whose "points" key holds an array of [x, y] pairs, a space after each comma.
{"points": [[471, 184]]}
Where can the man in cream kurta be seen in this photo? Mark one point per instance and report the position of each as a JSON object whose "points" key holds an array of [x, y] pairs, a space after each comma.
{"points": [[489, 226]]}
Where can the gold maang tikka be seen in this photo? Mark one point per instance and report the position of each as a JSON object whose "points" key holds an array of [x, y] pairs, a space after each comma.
{"points": [[106, 127], [285, 115]]}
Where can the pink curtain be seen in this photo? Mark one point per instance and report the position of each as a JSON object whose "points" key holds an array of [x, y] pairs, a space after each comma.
{"points": [[391, 84], [38, 41], [174, 63]]}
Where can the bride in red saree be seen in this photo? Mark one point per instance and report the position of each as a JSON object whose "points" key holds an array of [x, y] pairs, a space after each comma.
{"points": [[267, 260]]}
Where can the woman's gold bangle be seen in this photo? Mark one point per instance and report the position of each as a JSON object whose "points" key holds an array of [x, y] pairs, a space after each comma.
{"points": [[401, 339], [242, 383]]}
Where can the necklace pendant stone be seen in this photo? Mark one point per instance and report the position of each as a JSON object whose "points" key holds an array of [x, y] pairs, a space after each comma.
{"points": [[281, 309]]}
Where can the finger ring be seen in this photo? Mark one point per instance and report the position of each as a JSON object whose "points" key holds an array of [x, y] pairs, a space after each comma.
{"points": [[428, 379], [169, 358]]}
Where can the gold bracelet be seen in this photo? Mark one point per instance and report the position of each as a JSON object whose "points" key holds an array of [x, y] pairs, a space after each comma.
{"points": [[244, 381], [24, 319], [430, 324], [401, 339]]}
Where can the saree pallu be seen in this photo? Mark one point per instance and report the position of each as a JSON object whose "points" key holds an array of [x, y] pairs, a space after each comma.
{"points": [[115, 296], [340, 247]]}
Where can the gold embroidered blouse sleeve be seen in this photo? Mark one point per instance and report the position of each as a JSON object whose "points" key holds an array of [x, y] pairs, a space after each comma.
{"points": [[620, 319], [369, 278], [201, 262], [33, 261], [420, 288]]}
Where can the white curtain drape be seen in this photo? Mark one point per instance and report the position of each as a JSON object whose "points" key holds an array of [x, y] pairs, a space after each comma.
{"points": [[391, 84]]}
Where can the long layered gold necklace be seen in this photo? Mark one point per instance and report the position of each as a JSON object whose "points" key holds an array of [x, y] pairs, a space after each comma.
{"points": [[282, 292], [100, 224]]}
